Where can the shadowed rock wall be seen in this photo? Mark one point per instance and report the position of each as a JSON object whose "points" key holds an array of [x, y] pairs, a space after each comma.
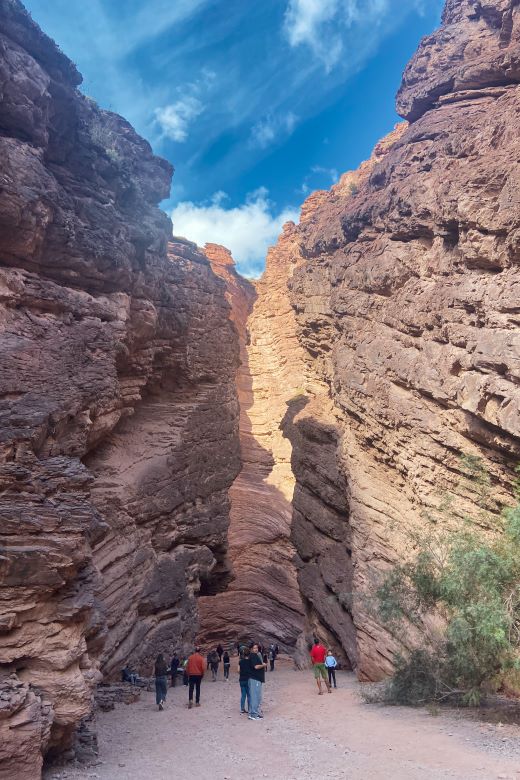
{"points": [[407, 298], [262, 599], [118, 409]]}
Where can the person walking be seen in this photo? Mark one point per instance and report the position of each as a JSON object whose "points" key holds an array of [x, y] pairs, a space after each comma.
{"points": [[243, 678], [331, 664], [272, 658], [195, 669], [318, 655], [227, 663], [208, 659], [161, 681], [256, 681], [174, 665], [220, 651], [214, 661]]}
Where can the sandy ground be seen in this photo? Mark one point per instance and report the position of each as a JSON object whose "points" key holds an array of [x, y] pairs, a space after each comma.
{"points": [[302, 736]]}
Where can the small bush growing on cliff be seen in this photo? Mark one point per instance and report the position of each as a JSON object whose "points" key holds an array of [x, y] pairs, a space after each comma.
{"points": [[466, 587]]}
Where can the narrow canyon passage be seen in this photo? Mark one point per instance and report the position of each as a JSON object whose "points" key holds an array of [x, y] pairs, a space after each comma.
{"points": [[302, 736]]}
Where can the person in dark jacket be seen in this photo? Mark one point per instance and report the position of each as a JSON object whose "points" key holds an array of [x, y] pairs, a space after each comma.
{"points": [[161, 681], [214, 662], [220, 651], [227, 663], [174, 665], [256, 681], [243, 678]]}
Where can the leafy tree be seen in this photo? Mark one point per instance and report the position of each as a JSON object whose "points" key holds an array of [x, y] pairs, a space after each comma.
{"points": [[461, 589]]}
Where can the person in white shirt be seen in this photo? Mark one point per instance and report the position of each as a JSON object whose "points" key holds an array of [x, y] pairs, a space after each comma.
{"points": [[331, 663]]}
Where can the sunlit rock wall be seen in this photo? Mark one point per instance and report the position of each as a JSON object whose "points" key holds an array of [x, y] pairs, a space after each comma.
{"points": [[407, 299], [262, 600]]}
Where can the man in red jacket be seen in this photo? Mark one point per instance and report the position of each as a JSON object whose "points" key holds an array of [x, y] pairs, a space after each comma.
{"points": [[318, 655], [195, 669]]}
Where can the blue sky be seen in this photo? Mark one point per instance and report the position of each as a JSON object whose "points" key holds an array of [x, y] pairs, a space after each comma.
{"points": [[256, 103]]}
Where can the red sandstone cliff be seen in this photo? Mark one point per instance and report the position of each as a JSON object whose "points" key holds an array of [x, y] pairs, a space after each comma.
{"points": [[119, 418], [262, 600], [407, 298]]}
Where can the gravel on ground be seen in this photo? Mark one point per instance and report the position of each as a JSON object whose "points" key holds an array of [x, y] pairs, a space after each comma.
{"points": [[302, 736]]}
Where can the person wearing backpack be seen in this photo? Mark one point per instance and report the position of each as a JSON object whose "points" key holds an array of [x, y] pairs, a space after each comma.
{"points": [[331, 664]]}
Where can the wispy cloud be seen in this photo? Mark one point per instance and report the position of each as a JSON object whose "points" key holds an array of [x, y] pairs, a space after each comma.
{"points": [[175, 119], [318, 177], [322, 24], [272, 129], [247, 230]]}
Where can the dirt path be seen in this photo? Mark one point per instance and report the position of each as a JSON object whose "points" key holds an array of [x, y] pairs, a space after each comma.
{"points": [[302, 736]]}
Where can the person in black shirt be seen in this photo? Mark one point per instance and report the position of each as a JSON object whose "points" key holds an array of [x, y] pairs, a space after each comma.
{"points": [[256, 681], [227, 663], [243, 678], [174, 665], [161, 681], [220, 651]]}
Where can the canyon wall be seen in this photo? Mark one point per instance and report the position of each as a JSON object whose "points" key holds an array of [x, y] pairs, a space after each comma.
{"points": [[118, 408], [262, 600], [407, 294]]}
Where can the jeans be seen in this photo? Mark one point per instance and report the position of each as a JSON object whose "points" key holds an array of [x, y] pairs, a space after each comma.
{"points": [[161, 688], [195, 680], [226, 671], [332, 675], [244, 694], [214, 671], [255, 696]]}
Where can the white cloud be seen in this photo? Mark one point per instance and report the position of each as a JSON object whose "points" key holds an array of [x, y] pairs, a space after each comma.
{"points": [[175, 119], [314, 179], [265, 132], [321, 24], [247, 230]]}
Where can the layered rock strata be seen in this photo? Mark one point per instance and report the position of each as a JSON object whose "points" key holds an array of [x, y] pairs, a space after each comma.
{"points": [[119, 423], [407, 298], [262, 600]]}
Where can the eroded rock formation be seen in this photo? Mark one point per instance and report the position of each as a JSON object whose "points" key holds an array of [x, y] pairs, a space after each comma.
{"points": [[119, 424], [262, 600], [407, 297]]}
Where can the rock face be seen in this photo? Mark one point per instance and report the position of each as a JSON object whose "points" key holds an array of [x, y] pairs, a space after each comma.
{"points": [[119, 425], [262, 600], [407, 297]]}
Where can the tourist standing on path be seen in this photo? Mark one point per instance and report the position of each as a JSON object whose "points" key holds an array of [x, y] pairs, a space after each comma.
{"points": [[174, 665], [331, 663], [161, 681], [256, 681], [272, 658], [214, 661], [318, 655], [243, 678], [220, 651], [195, 670], [227, 663]]}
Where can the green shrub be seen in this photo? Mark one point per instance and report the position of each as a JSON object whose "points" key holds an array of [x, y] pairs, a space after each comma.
{"points": [[467, 586]]}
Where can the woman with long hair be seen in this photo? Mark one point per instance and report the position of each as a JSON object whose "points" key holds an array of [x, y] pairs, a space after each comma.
{"points": [[243, 678], [161, 681]]}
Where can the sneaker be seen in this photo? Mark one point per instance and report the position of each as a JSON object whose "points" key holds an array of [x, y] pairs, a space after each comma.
{"points": [[190, 705], [244, 712], [197, 704], [253, 717], [259, 715], [161, 706]]}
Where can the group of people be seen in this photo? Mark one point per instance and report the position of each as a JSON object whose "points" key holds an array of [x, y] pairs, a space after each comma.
{"points": [[253, 662]]}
